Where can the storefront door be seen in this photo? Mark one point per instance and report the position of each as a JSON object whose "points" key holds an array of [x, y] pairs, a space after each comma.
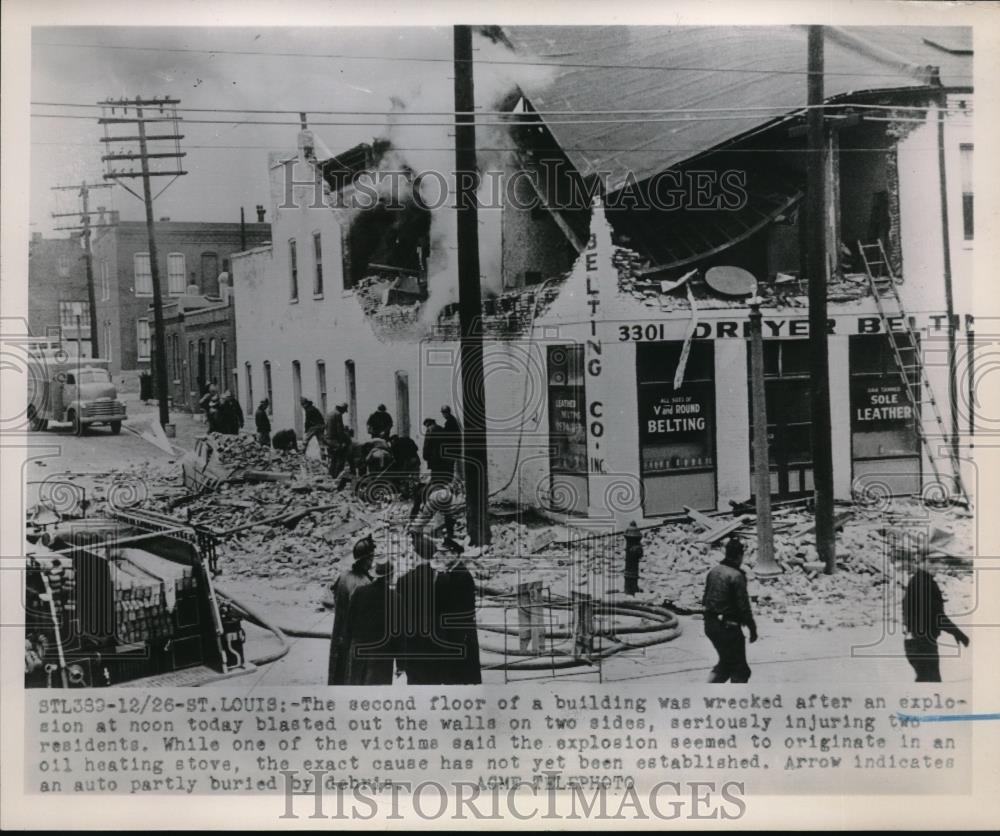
{"points": [[789, 417]]}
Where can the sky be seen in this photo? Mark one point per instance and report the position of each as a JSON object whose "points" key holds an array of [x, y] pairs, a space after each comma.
{"points": [[227, 163]]}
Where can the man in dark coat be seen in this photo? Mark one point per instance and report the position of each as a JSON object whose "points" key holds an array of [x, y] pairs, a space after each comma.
{"points": [[442, 469], [380, 423], [230, 414], [373, 629], [262, 421], [338, 440], [452, 439], [727, 610], [455, 589], [420, 650], [344, 589], [924, 620]]}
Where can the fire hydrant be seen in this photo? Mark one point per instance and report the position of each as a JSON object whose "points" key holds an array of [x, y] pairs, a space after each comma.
{"points": [[633, 554]]}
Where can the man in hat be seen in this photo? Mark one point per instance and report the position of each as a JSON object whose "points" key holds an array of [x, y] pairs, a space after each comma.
{"points": [[420, 620], [210, 404], [440, 467], [338, 440], [262, 422], [439, 498], [455, 591], [380, 423], [344, 589], [727, 611], [452, 440], [373, 628], [230, 414], [924, 620]]}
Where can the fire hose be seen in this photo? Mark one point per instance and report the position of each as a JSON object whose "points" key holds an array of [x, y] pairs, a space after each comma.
{"points": [[665, 629]]}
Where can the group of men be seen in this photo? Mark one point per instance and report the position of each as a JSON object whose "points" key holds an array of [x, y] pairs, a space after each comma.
{"points": [[222, 412], [424, 628]]}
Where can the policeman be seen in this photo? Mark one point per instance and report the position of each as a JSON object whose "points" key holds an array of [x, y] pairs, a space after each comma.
{"points": [[727, 611]]}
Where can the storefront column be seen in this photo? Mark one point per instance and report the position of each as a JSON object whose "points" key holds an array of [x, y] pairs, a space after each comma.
{"points": [[732, 416], [840, 415]]}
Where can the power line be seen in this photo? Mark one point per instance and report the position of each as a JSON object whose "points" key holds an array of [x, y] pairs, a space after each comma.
{"points": [[452, 124], [526, 62], [569, 112]]}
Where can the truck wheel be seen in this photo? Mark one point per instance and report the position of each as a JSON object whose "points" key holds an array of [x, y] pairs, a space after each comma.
{"points": [[78, 427], [116, 427]]}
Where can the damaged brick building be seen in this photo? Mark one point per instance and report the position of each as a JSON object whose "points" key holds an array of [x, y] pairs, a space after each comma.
{"points": [[587, 311]]}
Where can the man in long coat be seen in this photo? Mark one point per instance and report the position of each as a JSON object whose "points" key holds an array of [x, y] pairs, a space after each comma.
{"points": [[924, 620], [373, 628], [344, 590], [455, 590], [420, 643]]}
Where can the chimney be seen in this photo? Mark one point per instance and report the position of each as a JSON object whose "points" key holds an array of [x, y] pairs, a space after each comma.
{"points": [[260, 213], [225, 291]]}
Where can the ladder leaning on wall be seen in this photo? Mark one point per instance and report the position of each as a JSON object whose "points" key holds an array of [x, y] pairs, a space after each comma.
{"points": [[906, 350]]}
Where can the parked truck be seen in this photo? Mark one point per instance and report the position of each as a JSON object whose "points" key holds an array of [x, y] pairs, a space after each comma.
{"points": [[78, 391]]}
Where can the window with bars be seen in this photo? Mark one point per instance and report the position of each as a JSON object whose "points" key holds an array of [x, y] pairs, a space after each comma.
{"points": [[67, 315], [143, 275], [142, 338], [176, 273], [318, 276]]}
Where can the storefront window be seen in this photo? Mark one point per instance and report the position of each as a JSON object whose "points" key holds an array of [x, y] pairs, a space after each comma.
{"points": [[676, 426], [567, 427], [883, 421]]}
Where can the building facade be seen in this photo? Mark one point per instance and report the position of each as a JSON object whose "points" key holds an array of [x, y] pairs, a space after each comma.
{"points": [[619, 388], [191, 254], [57, 289], [200, 341]]}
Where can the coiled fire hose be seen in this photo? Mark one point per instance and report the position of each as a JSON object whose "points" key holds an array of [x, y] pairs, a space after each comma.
{"points": [[665, 627]]}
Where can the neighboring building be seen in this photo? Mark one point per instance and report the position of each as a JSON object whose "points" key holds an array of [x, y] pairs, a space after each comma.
{"points": [[57, 285], [200, 339], [190, 253], [591, 408]]}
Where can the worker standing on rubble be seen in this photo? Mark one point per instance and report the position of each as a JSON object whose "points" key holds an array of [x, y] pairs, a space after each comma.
{"points": [[263, 423], [230, 418], [344, 589], [373, 629], [451, 440], [313, 423], [209, 404], [727, 610], [380, 423], [338, 440], [924, 620], [440, 468]]}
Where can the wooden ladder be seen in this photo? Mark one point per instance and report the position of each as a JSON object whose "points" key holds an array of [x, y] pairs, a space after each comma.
{"points": [[906, 350]]}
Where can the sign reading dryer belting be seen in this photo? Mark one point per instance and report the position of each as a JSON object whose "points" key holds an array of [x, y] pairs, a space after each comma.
{"points": [[774, 328]]}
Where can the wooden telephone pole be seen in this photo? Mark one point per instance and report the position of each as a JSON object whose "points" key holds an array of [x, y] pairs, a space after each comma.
{"points": [[84, 230], [817, 268], [470, 295], [133, 112]]}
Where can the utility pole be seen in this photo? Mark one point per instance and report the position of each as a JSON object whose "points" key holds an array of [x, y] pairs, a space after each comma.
{"points": [[167, 112], [766, 564], [470, 295], [817, 267], [84, 230]]}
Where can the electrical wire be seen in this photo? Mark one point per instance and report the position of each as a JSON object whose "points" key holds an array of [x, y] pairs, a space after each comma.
{"points": [[515, 62]]}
